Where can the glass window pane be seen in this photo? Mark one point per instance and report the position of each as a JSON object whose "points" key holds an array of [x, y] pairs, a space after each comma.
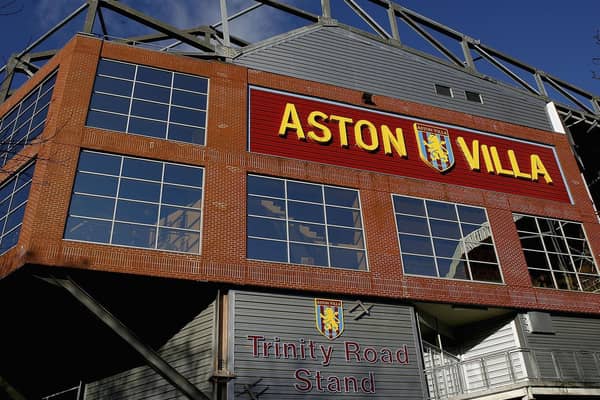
{"points": [[472, 215], [410, 224], [578, 247], [343, 217], [536, 259], [590, 283], [187, 116], [305, 212], [448, 248], [48, 83], [188, 82], [304, 191], [20, 196], [267, 228], [184, 175], [188, 99], [476, 232], [480, 252], [415, 244], [345, 237], [131, 211], [418, 265], [268, 250], [151, 92], [134, 235], [99, 162], [266, 186], [15, 218], [182, 196], [107, 102], [266, 207], [309, 233], [114, 86], [341, 197], [88, 230], [146, 127], [437, 209], [113, 122], [585, 265], [561, 262], [118, 69], [9, 240], [566, 281], [143, 169], [146, 109], [531, 241], [308, 254], [549, 226], [525, 223], [453, 268], [91, 206], [96, 184], [347, 258], [409, 205], [183, 218], [186, 134], [139, 190], [177, 240], [485, 272], [152, 75], [541, 278], [444, 229], [572, 230], [555, 244]]}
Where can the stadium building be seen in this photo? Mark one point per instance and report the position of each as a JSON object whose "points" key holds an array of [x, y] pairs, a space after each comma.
{"points": [[325, 213]]}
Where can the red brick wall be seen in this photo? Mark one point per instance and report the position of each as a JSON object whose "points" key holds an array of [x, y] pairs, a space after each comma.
{"points": [[227, 163]]}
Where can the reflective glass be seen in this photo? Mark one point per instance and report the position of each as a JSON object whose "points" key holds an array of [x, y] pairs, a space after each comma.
{"points": [[113, 122], [309, 233], [453, 268], [99, 162], [410, 224], [139, 190], [266, 186], [304, 191], [130, 211], [343, 217], [187, 116], [267, 228], [188, 99], [152, 92], [189, 82], [114, 68], [345, 237], [485, 272], [183, 175], [147, 127], [541, 278], [266, 207], [536, 259], [115, 86], [186, 134], [153, 75], [308, 254], [88, 230], [183, 218], [348, 258], [107, 102], [134, 235], [147, 109], [408, 205], [448, 248], [142, 169], [416, 244], [92, 206], [305, 212], [182, 196], [437, 209], [268, 250], [418, 265], [525, 223], [178, 240], [341, 197], [444, 229]]}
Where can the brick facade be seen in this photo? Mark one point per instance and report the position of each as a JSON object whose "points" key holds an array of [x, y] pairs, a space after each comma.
{"points": [[226, 163]]}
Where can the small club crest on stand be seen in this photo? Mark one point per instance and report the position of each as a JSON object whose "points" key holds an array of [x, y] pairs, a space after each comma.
{"points": [[435, 148], [329, 317]]}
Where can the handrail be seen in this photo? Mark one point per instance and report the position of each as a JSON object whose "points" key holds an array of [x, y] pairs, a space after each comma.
{"points": [[495, 370]]}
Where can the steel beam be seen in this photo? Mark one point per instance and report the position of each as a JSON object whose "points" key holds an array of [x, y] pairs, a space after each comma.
{"points": [[9, 71], [368, 19], [88, 25], [225, 23], [568, 95], [154, 23], [326, 9], [393, 21], [290, 9], [154, 360]]}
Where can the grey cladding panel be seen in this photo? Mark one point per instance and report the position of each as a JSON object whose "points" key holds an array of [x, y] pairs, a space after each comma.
{"points": [[290, 320], [189, 351], [339, 57]]}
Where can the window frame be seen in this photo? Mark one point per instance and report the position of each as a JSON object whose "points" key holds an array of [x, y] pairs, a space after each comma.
{"points": [[132, 100], [431, 238], [328, 245], [546, 253], [118, 199], [4, 218], [438, 86]]}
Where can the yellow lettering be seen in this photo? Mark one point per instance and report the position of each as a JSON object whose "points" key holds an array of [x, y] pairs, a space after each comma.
{"points": [[472, 156], [290, 120], [515, 166], [498, 165], [487, 159], [342, 122], [358, 131], [313, 123], [538, 168], [390, 140]]}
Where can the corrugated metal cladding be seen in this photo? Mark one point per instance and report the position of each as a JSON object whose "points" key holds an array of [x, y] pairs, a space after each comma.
{"points": [[376, 356], [570, 351], [339, 57], [190, 352]]}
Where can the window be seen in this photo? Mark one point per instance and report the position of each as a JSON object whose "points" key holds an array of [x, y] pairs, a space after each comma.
{"points": [[474, 96], [557, 254], [136, 202], [148, 101], [445, 240], [304, 223], [13, 199], [25, 121], [443, 90]]}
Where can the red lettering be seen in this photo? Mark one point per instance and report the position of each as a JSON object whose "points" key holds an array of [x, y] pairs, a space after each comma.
{"points": [[255, 341], [286, 350], [402, 355], [306, 385], [318, 381], [333, 384], [266, 347], [352, 348], [347, 381], [370, 355], [368, 384]]}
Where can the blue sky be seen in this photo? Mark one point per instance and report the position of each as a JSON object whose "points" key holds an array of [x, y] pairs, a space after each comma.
{"points": [[551, 35]]}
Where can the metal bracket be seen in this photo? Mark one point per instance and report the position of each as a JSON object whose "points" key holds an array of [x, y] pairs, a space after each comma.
{"points": [[249, 389], [364, 310]]}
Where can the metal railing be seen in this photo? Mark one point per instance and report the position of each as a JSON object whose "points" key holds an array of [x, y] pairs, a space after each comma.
{"points": [[496, 370]]}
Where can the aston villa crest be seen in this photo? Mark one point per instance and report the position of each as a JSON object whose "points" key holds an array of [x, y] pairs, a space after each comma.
{"points": [[329, 317], [434, 146]]}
